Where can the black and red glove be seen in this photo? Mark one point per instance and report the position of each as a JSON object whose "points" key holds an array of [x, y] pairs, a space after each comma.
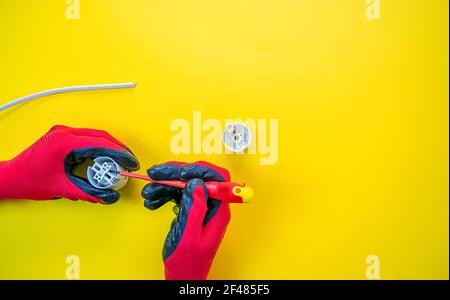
{"points": [[44, 170], [197, 231]]}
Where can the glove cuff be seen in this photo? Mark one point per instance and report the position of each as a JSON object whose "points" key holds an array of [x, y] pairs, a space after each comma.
{"points": [[7, 183], [185, 274], [15, 182]]}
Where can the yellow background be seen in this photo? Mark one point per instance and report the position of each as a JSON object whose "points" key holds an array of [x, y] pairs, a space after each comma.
{"points": [[363, 131]]}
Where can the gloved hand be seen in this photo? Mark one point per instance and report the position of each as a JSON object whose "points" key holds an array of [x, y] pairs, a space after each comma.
{"points": [[201, 222], [44, 170]]}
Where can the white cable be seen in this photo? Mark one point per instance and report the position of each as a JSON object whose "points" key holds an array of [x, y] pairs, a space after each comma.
{"points": [[68, 89]]}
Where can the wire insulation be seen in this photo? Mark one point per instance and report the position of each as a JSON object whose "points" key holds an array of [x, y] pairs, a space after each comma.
{"points": [[68, 89]]}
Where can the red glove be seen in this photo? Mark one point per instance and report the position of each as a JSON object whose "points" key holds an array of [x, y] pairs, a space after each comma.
{"points": [[201, 222], [44, 170]]}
